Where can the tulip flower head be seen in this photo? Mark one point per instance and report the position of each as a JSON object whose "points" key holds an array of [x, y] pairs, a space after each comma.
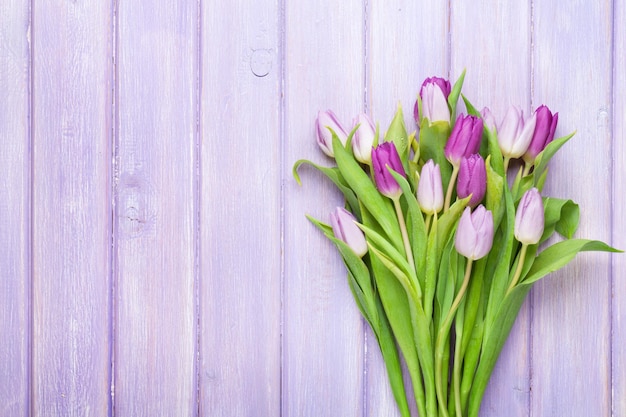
{"points": [[515, 132], [434, 96], [345, 229], [472, 179], [489, 121], [544, 133], [327, 120], [464, 139], [363, 139], [474, 233], [384, 157], [529, 218], [429, 188]]}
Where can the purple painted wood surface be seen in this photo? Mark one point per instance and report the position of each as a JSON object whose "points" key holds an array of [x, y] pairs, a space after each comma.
{"points": [[154, 254]]}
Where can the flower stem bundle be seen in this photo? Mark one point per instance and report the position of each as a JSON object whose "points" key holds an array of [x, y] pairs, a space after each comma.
{"points": [[440, 281]]}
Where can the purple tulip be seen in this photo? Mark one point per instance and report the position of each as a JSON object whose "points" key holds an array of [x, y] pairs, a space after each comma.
{"points": [[515, 132], [489, 121], [474, 233], [434, 95], [363, 139], [529, 218], [464, 139], [383, 156], [429, 188], [472, 179], [325, 120], [544, 133], [345, 229]]}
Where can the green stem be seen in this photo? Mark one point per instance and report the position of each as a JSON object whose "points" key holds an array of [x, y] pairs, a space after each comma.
{"points": [[527, 167], [442, 335], [456, 378], [405, 235], [455, 172], [506, 164], [518, 270], [427, 224]]}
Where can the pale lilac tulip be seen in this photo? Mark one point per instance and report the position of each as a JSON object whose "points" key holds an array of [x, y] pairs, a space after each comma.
{"points": [[363, 139], [489, 121], [386, 156], [472, 179], [544, 133], [515, 132], [474, 233], [429, 188], [529, 218], [345, 229], [464, 139], [325, 120], [434, 96]]}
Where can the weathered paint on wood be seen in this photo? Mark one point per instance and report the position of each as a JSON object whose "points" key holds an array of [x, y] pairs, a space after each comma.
{"points": [[322, 335], [71, 208], [154, 254], [571, 318], [14, 208], [156, 208], [240, 257]]}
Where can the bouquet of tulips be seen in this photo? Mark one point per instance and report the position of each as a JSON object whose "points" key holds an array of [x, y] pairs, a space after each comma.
{"points": [[441, 245]]}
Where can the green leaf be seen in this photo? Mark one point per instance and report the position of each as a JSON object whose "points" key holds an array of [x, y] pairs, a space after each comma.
{"points": [[396, 307], [398, 135], [453, 98], [379, 206], [415, 222], [560, 215], [495, 190], [497, 162], [433, 138], [501, 323], [448, 220], [541, 162], [335, 176], [471, 110], [560, 254]]}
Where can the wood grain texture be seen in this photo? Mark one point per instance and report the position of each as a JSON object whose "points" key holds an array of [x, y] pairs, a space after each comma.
{"points": [[323, 342], [14, 208], [484, 38], [571, 350], [156, 208], [618, 230], [398, 60], [71, 217], [240, 291]]}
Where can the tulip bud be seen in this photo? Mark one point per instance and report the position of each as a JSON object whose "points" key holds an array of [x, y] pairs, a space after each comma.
{"points": [[464, 139], [434, 95], [474, 233], [515, 133], [345, 229], [529, 219], [325, 120], [489, 121], [472, 179], [544, 133], [383, 156], [429, 188], [363, 139]]}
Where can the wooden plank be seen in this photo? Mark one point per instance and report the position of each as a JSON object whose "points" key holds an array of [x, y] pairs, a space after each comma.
{"points": [[618, 237], [398, 61], [240, 291], [323, 342], [156, 208], [71, 213], [483, 40], [14, 208], [571, 345]]}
